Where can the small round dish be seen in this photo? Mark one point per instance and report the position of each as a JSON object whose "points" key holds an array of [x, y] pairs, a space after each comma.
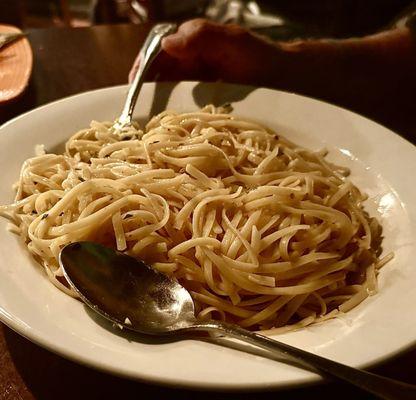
{"points": [[16, 61]]}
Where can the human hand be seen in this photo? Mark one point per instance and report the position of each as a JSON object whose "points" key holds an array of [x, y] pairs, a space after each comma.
{"points": [[203, 50]]}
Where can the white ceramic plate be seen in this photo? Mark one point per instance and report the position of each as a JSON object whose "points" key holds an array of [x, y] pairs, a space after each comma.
{"points": [[382, 163]]}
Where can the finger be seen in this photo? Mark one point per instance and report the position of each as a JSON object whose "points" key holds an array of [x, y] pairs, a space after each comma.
{"points": [[168, 68], [189, 39], [175, 45]]}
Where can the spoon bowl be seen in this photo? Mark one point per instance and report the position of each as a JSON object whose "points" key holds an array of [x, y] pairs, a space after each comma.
{"points": [[125, 290]]}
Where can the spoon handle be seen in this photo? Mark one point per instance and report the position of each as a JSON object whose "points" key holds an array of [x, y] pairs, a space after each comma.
{"points": [[148, 52], [384, 388]]}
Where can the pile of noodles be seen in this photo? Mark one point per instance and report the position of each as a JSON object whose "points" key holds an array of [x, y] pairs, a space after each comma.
{"points": [[262, 232]]}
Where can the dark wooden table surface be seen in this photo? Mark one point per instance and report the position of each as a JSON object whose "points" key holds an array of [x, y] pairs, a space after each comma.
{"points": [[69, 61]]}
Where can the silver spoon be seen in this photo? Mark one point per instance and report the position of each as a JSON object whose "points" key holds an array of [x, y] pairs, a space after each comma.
{"points": [[135, 296], [148, 52]]}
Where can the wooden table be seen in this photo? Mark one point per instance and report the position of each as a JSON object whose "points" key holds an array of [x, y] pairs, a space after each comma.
{"points": [[69, 61]]}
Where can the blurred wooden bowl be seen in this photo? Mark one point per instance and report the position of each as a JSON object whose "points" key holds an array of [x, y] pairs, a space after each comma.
{"points": [[15, 65]]}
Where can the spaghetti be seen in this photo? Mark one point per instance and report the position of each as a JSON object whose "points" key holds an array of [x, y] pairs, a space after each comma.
{"points": [[263, 233]]}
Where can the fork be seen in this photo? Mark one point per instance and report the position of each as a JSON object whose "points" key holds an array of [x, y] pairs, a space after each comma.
{"points": [[7, 38]]}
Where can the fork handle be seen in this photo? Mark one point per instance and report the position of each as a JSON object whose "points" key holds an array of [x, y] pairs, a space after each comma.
{"points": [[8, 38], [147, 54]]}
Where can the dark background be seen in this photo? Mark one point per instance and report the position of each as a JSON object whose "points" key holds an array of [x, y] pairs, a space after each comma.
{"points": [[302, 18]]}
